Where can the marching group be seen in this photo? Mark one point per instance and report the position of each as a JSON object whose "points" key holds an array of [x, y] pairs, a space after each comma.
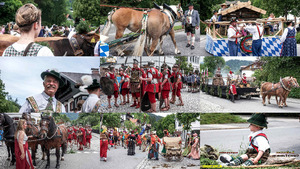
{"points": [[145, 142], [80, 135], [148, 80]]}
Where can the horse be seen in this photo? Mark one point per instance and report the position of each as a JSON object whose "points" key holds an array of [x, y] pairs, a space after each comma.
{"points": [[278, 90], [286, 92], [154, 27], [33, 142], [54, 137], [9, 129]]}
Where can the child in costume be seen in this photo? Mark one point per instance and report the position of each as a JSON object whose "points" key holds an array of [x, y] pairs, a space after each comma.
{"points": [[259, 149]]}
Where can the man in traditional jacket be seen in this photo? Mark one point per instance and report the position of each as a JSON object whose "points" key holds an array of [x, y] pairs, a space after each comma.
{"points": [[46, 101], [92, 103]]}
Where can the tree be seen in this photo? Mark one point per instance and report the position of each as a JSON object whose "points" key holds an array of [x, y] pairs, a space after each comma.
{"points": [[182, 61], [163, 124], [60, 118], [112, 119], [8, 11], [89, 10], [187, 118], [3, 102], [212, 63]]}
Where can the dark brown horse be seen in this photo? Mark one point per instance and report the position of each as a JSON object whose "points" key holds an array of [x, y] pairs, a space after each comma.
{"points": [[34, 141], [280, 89], [54, 137], [9, 129]]}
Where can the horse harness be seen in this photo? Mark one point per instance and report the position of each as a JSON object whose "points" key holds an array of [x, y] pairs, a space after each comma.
{"points": [[281, 86], [76, 47]]}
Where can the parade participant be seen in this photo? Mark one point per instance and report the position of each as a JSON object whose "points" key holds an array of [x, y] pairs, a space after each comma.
{"points": [[88, 136], [23, 157], [223, 7], [153, 150], [232, 90], [191, 22], [257, 35], [166, 134], [131, 144], [231, 74], [189, 81], [82, 139], [165, 86], [103, 143], [75, 130], [244, 79], [115, 137], [122, 138], [138, 140], [195, 151], [177, 85], [111, 75], [259, 149], [233, 38], [271, 17], [144, 142], [152, 84], [1, 136], [189, 143], [125, 81], [92, 103], [135, 86], [28, 19], [214, 18], [70, 135], [126, 140], [288, 41], [46, 101], [193, 81]]}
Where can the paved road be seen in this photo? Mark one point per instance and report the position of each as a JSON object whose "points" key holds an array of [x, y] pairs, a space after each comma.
{"points": [[118, 159], [191, 104], [168, 46], [210, 103], [89, 158], [282, 134], [204, 53]]}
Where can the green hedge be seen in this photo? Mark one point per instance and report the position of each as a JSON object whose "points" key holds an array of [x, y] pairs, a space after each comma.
{"points": [[298, 37]]}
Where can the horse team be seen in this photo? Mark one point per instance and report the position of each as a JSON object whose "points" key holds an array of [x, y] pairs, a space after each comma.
{"points": [[48, 134]]}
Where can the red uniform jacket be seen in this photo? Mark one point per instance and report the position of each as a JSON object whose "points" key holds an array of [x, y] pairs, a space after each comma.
{"points": [[126, 80], [244, 79], [166, 86], [233, 89], [176, 75], [89, 133], [153, 86]]}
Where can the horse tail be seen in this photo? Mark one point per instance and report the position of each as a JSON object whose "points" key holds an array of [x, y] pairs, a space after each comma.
{"points": [[107, 26], [261, 88], [140, 44]]}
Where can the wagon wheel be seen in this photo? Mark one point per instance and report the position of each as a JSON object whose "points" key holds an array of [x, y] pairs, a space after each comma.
{"points": [[179, 158], [169, 158]]}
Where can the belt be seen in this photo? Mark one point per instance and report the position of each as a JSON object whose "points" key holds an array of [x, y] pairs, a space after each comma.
{"points": [[104, 139], [154, 81], [291, 37]]}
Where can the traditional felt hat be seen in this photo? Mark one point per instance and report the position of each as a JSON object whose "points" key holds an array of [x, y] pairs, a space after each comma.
{"points": [[94, 85], [233, 20], [190, 4], [110, 67], [54, 74], [135, 61], [259, 120]]}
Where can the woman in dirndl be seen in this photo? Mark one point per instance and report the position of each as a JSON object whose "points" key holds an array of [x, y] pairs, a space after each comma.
{"points": [[131, 144], [288, 40], [23, 157], [164, 151], [195, 151]]}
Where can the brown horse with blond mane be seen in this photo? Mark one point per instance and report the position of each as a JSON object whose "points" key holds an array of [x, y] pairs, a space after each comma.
{"points": [[153, 24], [280, 89]]}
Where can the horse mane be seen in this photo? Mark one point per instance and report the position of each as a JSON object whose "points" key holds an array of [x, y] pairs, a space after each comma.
{"points": [[8, 119], [52, 125], [12, 126]]}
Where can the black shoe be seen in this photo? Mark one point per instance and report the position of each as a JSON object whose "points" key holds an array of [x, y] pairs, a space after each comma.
{"points": [[224, 160], [188, 45], [192, 47]]}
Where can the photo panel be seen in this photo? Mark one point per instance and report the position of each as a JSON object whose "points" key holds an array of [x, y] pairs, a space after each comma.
{"points": [[235, 139], [150, 84], [76, 136], [249, 84], [249, 28], [147, 140]]}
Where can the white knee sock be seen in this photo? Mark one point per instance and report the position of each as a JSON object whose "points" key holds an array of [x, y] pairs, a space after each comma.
{"points": [[193, 40], [188, 38]]}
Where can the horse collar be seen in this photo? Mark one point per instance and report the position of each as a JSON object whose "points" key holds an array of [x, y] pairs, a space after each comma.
{"points": [[282, 84]]}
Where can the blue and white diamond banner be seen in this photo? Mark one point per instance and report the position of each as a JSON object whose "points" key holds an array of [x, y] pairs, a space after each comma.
{"points": [[219, 47], [104, 49]]}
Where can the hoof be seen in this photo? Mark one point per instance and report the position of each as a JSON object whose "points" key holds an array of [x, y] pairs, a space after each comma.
{"points": [[57, 166], [62, 159], [269, 103], [47, 166], [264, 104]]}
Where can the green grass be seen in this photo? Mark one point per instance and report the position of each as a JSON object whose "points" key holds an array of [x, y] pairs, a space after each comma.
{"points": [[220, 118], [178, 27]]}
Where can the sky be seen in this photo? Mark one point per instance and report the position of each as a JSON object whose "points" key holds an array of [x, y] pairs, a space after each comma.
{"points": [[22, 76]]}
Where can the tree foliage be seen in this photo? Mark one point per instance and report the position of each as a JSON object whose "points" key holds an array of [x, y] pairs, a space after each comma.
{"points": [[187, 118], [212, 63], [112, 119], [7, 104], [89, 10], [163, 124], [8, 11]]}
